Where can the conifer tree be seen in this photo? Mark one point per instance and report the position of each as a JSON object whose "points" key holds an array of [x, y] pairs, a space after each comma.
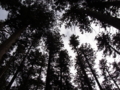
{"points": [[107, 76], [35, 16], [74, 43], [53, 44], [107, 44]]}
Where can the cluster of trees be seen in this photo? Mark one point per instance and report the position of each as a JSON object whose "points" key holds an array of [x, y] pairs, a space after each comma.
{"points": [[33, 24]]}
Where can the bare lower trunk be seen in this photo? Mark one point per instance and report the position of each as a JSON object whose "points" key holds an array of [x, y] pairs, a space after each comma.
{"points": [[115, 22], [6, 67], [104, 4], [4, 47], [60, 75], [113, 79], [115, 50], [47, 87]]}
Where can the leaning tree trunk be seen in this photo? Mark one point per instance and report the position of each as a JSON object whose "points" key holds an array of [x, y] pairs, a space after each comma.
{"points": [[47, 86], [61, 74], [4, 47], [39, 77], [115, 50], [18, 70], [84, 72], [6, 67], [113, 79], [104, 4], [93, 72], [115, 22]]}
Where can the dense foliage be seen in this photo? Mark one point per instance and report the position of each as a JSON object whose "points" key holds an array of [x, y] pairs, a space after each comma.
{"points": [[32, 52]]}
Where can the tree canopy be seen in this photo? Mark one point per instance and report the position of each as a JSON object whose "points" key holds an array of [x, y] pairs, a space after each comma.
{"points": [[32, 48]]}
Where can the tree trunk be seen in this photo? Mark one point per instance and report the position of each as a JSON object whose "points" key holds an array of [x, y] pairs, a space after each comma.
{"points": [[2, 24], [4, 47], [47, 87], [113, 79], [60, 75], [92, 72], [39, 77], [6, 67], [26, 81], [18, 70], [104, 4], [114, 49], [84, 72], [81, 82], [115, 22]]}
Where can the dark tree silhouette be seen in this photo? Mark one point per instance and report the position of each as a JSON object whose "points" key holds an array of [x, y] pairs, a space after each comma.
{"points": [[105, 43], [86, 54], [107, 76], [74, 43], [32, 17], [63, 65], [53, 44]]}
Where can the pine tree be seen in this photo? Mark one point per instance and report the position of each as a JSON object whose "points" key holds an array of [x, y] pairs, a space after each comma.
{"points": [[54, 44], [74, 43], [107, 76], [31, 16], [63, 64], [105, 43], [76, 13]]}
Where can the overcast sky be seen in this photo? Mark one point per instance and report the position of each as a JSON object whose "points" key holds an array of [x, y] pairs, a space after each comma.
{"points": [[3, 14]]}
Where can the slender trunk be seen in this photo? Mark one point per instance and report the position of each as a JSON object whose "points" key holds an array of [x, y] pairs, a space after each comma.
{"points": [[39, 77], [26, 80], [47, 87], [114, 49], [6, 67], [2, 24], [18, 70], [84, 72], [115, 22], [8, 64], [113, 79], [104, 4], [81, 81], [93, 72], [4, 47], [66, 81], [60, 75]]}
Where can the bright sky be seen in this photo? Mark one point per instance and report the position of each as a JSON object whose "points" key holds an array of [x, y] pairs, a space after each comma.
{"points": [[3, 14]]}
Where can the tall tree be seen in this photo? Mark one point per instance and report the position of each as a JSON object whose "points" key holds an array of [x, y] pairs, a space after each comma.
{"points": [[18, 70], [74, 43], [89, 56], [63, 64], [53, 44], [33, 68], [36, 16], [107, 76], [81, 15]]}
